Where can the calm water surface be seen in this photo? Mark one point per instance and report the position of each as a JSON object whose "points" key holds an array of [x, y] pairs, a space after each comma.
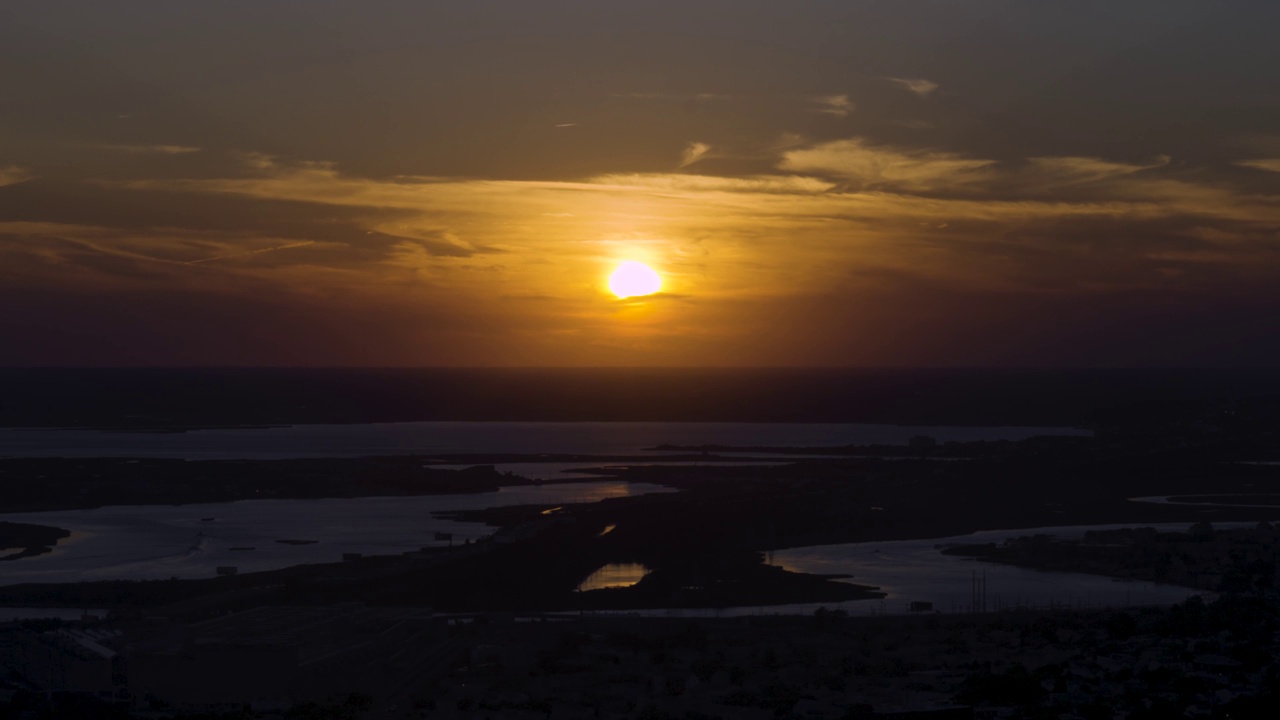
{"points": [[910, 570], [614, 575], [149, 542]]}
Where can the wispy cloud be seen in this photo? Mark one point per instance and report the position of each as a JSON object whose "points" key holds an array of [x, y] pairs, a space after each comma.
{"points": [[153, 149], [842, 178], [706, 97], [12, 174], [869, 166], [1058, 171], [249, 253], [681, 182], [788, 141], [919, 86], [1268, 164], [154, 248], [838, 105], [693, 152]]}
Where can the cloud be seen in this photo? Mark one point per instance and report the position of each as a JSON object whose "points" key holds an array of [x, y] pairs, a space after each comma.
{"points": [[12, 175], [843, 178], [919, 86], [250, 253], [681, 182], [1060, 224], [153, 149], [838, 105], [441, 243], [1058, 171], [1268, 164], [862, 224], [88, 257], [92, 235], [163, 205], [693, 152], [788, 141], [866, 166], [697, 97]]}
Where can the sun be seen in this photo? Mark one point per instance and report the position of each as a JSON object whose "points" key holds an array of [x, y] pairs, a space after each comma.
{"points": [[633, 279]]}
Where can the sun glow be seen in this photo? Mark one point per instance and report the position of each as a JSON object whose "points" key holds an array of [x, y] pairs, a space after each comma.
{"points": [[633, 279]]}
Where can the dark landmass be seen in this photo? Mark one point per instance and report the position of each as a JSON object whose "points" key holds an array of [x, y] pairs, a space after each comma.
{"points": [[1156, 663], [31, 539], [705, 547], [922, 446], [1267, 500], [1231, 560], [153, 399], [1219, 659], [171, 429]]}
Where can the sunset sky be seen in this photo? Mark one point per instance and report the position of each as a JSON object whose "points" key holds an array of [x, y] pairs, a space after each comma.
{"points": [[826, 183]]}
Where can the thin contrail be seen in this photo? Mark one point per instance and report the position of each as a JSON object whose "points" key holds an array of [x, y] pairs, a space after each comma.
{"points": [[248, 253]]}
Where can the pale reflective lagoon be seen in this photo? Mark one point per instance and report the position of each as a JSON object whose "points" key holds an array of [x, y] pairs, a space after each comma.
{"points": [[614, 575], [915, 570], [151, 542]]}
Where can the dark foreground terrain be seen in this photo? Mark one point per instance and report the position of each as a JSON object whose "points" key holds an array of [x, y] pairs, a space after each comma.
{"points": [[433, 633], [1197, 660], [1228, 560]]}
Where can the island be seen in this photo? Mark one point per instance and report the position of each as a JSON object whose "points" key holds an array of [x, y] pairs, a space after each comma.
{"points": [[24, 540]]}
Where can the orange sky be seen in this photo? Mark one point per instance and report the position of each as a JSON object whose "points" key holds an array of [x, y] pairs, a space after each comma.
{"points": [[827, 183]]}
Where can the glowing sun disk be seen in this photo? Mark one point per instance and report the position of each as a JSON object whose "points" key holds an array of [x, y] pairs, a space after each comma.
{"points": [[632, 279]]}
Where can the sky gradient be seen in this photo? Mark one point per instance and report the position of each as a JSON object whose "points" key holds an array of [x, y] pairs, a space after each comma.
{"points": [[977, 183]]}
